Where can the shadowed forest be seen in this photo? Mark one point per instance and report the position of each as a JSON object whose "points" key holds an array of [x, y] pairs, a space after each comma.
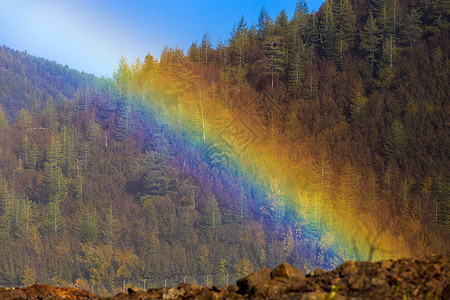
{"points": [[111, 181]]}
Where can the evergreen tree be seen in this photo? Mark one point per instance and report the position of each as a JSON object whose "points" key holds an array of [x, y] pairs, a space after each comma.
{"points": [[239, 39], [358, 103], [111, 227], [23, 119], [3, 120], [93, 129], [194, 52], [54, 216], [33, 156], [25, 150], [88, 229], [49, 114], [395, 138], [274, 57], [322, 178], [345, 27], [298, 55], [264, 24], [206, 49], [370, 39], [327, 26], [411, 29]]}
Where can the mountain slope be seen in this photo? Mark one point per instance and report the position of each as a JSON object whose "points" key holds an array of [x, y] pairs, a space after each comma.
{"points": [[106, 181]]}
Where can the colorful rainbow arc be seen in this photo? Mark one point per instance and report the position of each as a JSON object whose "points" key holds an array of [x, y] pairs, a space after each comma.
{"points": [[239, 143]]}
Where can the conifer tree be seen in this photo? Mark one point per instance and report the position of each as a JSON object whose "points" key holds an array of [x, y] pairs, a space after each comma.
{"points": [[49, 114], [327, 26], [54, 216], [3, 120], [345, 27], [194, 52], [206, 49], [358, 103], [33, 156], [298, 55], [93, 129], [274, 57], [264, 24], [88, 229], [275, 198], [348, 191], [370, 39], [25, 150], [395, 138], [239, 39], [322, 177], [23, 119], [27, 217], [110, 228]]}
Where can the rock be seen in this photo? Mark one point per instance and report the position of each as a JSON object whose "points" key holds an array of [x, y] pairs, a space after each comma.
{"points": [[285, 270], [318, 272], [171, 293], [386, 264], [253, 280], [426, 278]]}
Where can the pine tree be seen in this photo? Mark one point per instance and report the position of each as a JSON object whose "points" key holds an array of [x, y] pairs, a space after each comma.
{"points": [[264, 24], [3, 119], [395, 138], [88, 229], [370, 39], [49, 114], [23, 119], [358, 103], [298, 55], [239, 39], [411, 30], [345, 27], [27, 218], [327, 26], [33, 156], [54, 184], [322, 177], [110, 228], [211, 219], [274, 57], [206, 49], [275, 198], [67, 138], [93, 129], [348, 191], [440, 208], [25, 150], [194, 52], [54, 216]]}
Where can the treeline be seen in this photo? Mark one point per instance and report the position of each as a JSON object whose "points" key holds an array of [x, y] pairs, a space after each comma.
{"points": [[27, 81]]}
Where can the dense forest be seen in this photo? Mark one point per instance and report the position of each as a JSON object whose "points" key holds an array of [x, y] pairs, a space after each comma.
{"points": [[112, 182]]}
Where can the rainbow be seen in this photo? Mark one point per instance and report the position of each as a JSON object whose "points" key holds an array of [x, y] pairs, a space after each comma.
{"points": [[274, 171]]}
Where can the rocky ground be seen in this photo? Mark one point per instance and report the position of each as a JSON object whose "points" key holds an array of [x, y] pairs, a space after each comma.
{"points": [[413, 278]]}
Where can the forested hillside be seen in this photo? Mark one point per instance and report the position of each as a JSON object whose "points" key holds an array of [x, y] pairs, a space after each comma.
{"points": [[106, 181]]}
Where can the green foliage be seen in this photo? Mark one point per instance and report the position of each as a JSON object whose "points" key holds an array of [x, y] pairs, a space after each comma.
{"points": [[151, 177], [23, 119], [3, 120], [395, 138], [370, 39], [88, 229], [357, 105]]}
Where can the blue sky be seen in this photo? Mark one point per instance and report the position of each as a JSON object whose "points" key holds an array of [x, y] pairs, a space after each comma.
{"points": [[92, 35]]}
